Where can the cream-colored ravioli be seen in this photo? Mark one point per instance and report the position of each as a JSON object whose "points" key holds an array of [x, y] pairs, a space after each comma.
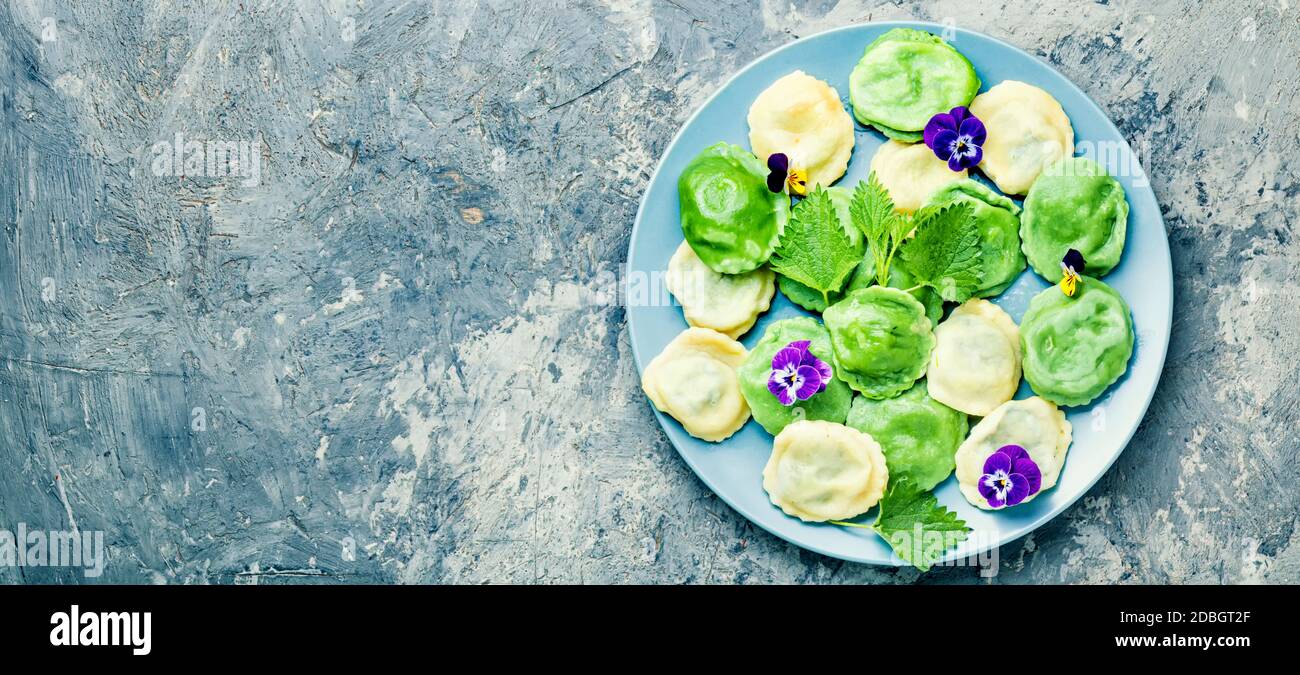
{"points": [[727, 303], [1034, 424], [822, 471], [975, 365], [694, 380], [911, 173], [802, 117], [1027, 131]]}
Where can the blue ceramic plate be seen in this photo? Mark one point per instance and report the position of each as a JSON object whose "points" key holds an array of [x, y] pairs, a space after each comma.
{"points": [[733, 468]]}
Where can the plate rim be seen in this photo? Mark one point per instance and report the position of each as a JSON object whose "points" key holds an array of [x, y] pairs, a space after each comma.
{"points": [[935, 29]]}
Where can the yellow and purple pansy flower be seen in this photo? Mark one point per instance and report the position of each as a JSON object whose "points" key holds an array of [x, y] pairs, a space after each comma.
{"points": [[782, 175]]}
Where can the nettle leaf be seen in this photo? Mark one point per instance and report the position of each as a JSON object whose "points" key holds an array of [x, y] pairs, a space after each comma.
{"points": [[916, 526], [813, 249], [944, 254], [873, 213]]}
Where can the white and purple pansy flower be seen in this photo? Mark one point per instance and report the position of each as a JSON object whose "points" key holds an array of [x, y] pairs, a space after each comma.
{"points": [[797, 375], [957, 137], [1010, 476]]}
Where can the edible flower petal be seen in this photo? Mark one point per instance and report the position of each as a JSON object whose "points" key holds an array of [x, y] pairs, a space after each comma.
{"points": [[778, 164], [957, 137], [811, 382], [1010, 476], [797, 179], [998, 461], [823, 369], [1071, 265], [1028, 469]]}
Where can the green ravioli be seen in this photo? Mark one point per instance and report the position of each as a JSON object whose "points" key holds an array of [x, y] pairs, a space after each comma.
{"points": [[999, 227], [1074, 204], [831, 405], [729, 217], [882, 340], [1076, 347], [918, 434], [907, 76]]}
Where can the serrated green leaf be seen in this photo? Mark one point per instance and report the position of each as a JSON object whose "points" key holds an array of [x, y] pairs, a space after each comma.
{"points": [[916, 526], [813, 249], [873, 212], [944, 254]]}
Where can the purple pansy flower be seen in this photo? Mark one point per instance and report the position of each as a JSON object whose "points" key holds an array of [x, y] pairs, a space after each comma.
{"points": [[1010, 477], [780, 174], [956, 137], [796, 374]]}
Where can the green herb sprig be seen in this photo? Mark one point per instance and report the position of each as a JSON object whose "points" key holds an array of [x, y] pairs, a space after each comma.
{"points": [[944, 252], [914, 524]]}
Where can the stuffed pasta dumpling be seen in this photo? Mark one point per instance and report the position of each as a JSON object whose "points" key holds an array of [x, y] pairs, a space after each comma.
{"points": [[1033, 424], [1075, 204], [999, 226], [694, 381], [831, 404], [882, 340], [975, 366], [911, 173], [821, 471], [918, 434], [1076, 347], [1027, 131], [729, 217], [905, 77], [727, 303], [802, 117]]}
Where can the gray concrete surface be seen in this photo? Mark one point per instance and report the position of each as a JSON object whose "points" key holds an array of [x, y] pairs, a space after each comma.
{"points": [[376, 361]]}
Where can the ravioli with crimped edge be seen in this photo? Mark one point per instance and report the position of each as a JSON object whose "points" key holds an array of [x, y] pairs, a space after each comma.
{"points": [[975, 365], [1034, 424], [918, 434], [727, 303], [882, 340], [693, 380], [821, 471], [1027, 131], [905, 77], [997, 218], [1076, 347], [802, 117], [831, 404], [1076, 205], [729, 217]]}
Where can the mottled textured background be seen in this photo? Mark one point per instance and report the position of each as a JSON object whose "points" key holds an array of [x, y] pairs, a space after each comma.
{"points": [[382, 363]]}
